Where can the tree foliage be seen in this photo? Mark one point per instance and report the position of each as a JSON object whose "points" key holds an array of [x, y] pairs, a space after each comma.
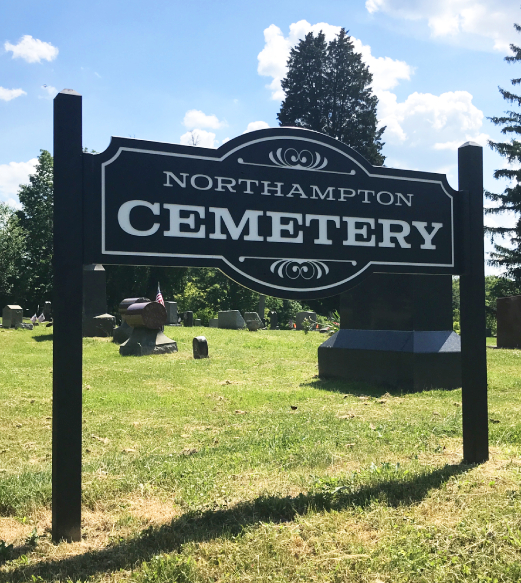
{"points": [[36, 221], [328, 89], [12, 248], [510, 199]]}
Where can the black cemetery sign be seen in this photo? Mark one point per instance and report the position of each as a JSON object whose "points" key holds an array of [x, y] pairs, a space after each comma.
{"points": [[286, 212]]}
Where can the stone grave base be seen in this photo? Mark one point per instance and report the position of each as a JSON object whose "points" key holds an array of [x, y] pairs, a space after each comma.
{"points": [[121, 333], [102, 325], [408, 360], [144, 341]]}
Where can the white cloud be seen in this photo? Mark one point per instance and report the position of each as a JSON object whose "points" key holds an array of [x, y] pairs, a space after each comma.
{"points": [[195, 118], [11, 176], [50, 91], [256, 125], [442, 122], [200, 138], [491, 19], [8, 94], [272, 59], [32, 50]]}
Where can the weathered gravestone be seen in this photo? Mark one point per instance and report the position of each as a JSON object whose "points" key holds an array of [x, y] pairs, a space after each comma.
{"points": [[171, 314], [389, 337], [253, 321], [213, 323], [301, 316], [12, 316], [231, 320], [200, 347], [509, 322], [198, 322], [122, 333], [96, 321], [146, 319]]}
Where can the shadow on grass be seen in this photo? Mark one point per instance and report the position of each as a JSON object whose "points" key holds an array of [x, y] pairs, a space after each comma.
{"points": [[359, 388], [211, 524], [43, 338]]}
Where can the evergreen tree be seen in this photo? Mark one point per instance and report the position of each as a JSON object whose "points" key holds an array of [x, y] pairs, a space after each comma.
{"points": [[510, 198], [328, 89], [36, 221]]}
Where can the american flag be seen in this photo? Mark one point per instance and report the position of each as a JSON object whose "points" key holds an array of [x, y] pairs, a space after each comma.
{"points": [[34, 318], [41, 318], [159, 296]]}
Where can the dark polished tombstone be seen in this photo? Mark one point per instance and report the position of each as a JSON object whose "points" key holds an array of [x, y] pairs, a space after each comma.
{"points": [[188, 319], [509, 322], [274, 320], [171, 314], [95, 320], [396, 330], [47, 311], [200, 347]]}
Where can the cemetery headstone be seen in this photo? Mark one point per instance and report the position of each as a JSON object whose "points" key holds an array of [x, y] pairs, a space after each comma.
{"points": [[146, 319], [301, 316], [12, 316], [171, 313], [123, 332], [231, 320], [198, 322], [213, 323], [200, 347], [188, 319], [274, 320], [253, 321], [47, 311], [509, 322], [96, 321], [388, 337], [262, 307]]}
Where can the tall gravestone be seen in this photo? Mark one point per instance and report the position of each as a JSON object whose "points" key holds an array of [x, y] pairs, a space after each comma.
{"points": [[12, 316], [509, 322], [95, 320], [395, 330], [171, 314]]}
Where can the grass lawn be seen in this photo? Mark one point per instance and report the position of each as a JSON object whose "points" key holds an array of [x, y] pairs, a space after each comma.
{"points": [[247, 467]]}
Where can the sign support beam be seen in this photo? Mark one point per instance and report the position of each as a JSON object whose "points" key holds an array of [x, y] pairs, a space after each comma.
{"points": [[472, 310], [67, 309]]}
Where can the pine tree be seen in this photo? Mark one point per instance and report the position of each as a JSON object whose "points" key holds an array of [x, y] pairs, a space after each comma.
{"points": [[328, 89], [510, 199]]}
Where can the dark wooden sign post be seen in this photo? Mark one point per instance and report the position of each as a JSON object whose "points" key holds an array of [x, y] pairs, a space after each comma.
{"points": [[286, 212]]}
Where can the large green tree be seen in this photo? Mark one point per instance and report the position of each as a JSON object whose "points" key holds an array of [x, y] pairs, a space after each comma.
{"points": [[12, 248], [508, 258], [36, 221], [328, 89]]}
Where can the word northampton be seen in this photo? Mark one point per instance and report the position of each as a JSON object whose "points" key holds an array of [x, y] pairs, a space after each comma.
{"points": [[268, 188], [199, 222]]}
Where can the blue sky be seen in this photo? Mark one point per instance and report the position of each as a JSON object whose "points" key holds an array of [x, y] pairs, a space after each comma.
{"points": [[176, 71]]}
